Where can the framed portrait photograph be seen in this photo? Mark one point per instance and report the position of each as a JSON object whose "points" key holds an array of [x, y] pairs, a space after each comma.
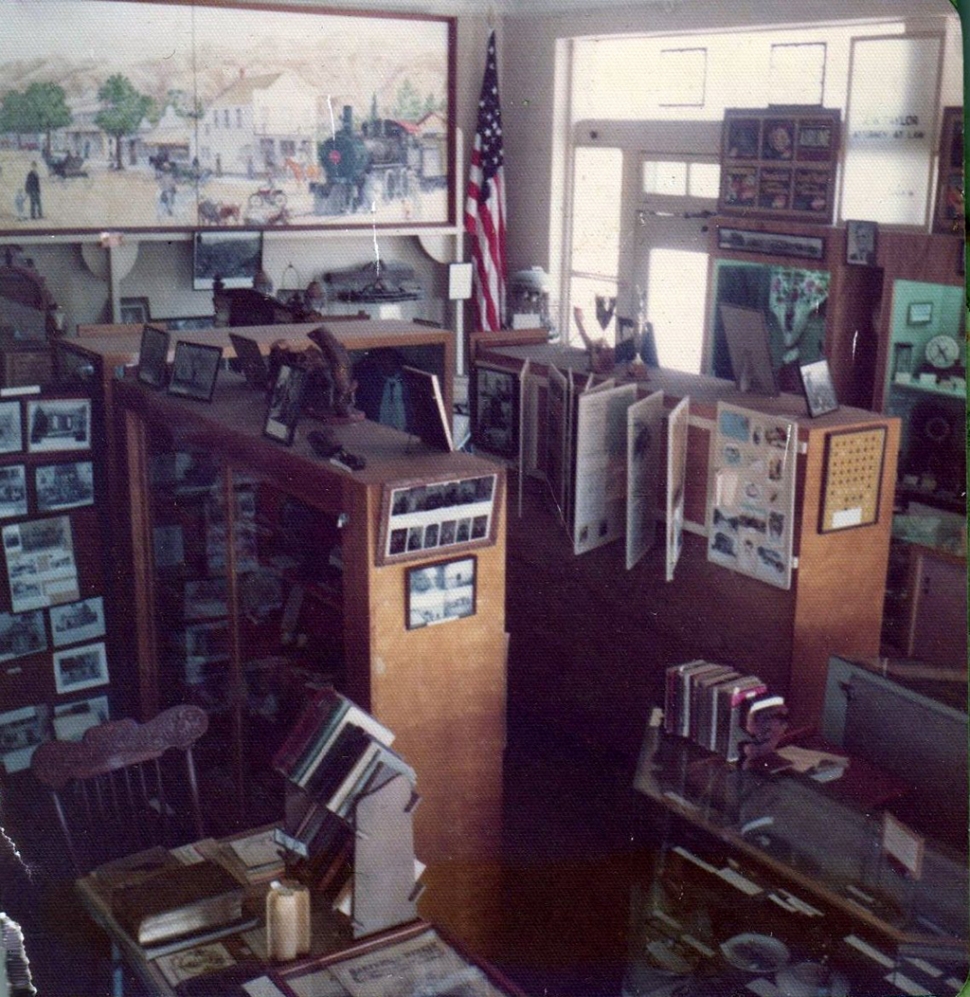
{"points": [[80, 668], [11, 428], [75, 622], [919, 313], [13, 491], [283, 411], [440, 592], [64, 486], [417, 517], [860, 243], [58, 424], [818, 388], [153, 356], [22, 634], [134, 311], [194, 370], [495, 410]]}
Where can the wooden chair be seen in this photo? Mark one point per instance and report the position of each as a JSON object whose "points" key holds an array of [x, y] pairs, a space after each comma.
{"points": [[115, 794]]}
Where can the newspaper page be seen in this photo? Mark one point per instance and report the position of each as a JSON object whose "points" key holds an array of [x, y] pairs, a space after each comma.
{"points": [[678, 421], [643, 447]]}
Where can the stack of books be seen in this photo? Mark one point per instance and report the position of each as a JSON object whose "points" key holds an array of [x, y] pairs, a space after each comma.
{"points": [[715, 706], [335, 753]]}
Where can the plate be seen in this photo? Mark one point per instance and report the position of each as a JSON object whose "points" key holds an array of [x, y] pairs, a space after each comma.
{"points": [[755, 953]]}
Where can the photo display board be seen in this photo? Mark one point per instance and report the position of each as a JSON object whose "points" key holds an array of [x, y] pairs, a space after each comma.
{"points": [[751, 496], [780, 162], [853, 478]]}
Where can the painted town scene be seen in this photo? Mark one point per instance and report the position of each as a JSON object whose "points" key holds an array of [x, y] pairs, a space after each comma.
{"points": [[117, 115]]}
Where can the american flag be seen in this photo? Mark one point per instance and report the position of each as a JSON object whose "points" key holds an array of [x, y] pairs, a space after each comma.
{"points": [[485, 205]]}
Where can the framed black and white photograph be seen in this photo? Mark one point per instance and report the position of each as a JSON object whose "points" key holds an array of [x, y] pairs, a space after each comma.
{"points": [[249, 361], [440, 592], [818, 387], [58, 424], [233, 257], [436, 515], [13, 491], [11, 428], [495, 410], [860, 243], [40, 563], [135, 311], [76, 622], [206, 597], [153, 356], [194, 370], [72, 719], [806, 247], [283, 411], [22, 634], [80, 668], [20, 732], [64, 486]]}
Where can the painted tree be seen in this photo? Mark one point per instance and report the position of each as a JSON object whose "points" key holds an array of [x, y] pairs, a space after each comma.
{"points": [[38, 110], [407, 106], [122, 111]]}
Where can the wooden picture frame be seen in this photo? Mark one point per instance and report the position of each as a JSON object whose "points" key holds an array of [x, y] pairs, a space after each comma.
{"points": [[153, 356], [283, 409], [134, 311], [860, 243], [741, 240], [234, 258], [194, 370], [440, 592], [78, 668], [818, 388], [13, 491], [58, 424], [445, 515], [262, 154], [780, 162], [949, 216]]}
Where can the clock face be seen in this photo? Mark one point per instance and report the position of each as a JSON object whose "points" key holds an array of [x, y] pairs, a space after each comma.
{"points": [[942, 352]]}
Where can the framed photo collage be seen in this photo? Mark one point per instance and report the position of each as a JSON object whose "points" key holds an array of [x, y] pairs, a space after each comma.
{"points": [[47, 615]]}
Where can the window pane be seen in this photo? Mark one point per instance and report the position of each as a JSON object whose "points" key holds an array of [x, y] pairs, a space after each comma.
{"points": [[596, 211], [582, 294], [683, 74], [705, 180], [797, 74], [677, 283], [660, 177]]}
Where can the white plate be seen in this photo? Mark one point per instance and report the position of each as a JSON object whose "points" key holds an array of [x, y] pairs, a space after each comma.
{"points": [[755, 953]]}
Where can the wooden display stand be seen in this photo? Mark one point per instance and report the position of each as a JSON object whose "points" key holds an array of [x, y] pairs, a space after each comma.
{"points": [[584, 628]]}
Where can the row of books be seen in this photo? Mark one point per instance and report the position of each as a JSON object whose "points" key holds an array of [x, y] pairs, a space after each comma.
{"points": [[715, 706]]}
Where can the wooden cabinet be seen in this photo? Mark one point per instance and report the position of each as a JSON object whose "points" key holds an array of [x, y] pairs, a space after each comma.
{"points": [[590, 639], [254, 576], [936, 622]]}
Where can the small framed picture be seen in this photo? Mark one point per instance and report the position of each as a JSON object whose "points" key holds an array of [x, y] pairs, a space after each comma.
{"points": [[20, 733], [134, 311], [283, 411], [80, 668], [75, 622], [153, 356], [194, 370], [919, 313], [13, 491], [818, 387], [58, 424], [860, 243], [64, 486], [440, 592], [22, 634], [11, 428]]}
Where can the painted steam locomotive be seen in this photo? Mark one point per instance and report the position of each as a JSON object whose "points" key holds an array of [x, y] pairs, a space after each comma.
{"points": [[386, 160]]}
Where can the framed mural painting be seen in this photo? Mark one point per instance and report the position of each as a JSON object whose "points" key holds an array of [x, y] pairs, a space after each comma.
{"points": [[156, 115]]}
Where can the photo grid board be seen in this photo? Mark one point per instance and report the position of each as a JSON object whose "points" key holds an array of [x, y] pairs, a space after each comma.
{"points": [[751, 496], [853, 478]]}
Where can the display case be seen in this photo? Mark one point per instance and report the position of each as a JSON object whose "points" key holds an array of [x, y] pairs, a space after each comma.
{"points": [[255, 577]]}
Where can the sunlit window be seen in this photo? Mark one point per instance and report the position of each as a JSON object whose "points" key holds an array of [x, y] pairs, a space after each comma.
{"points": [[704, 180], [683, 75], [664, 178], [796, 74]]}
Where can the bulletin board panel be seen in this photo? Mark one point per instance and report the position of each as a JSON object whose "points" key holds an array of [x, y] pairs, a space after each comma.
{"points": [[852, 478]]}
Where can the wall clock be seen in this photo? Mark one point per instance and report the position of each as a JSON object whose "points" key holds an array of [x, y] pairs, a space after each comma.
{"points": [[942, 352]]}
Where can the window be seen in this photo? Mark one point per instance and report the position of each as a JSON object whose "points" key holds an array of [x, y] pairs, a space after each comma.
{"points": [[796, 74], [225, 115], [683, 74], [239, 117]]}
